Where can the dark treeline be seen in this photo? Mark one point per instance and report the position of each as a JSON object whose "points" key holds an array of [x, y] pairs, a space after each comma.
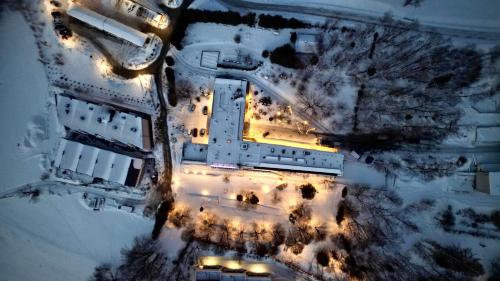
{"points": [[230, 18]]}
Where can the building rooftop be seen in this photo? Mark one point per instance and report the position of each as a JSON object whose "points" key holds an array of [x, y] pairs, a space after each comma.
{"points": [[227, 149], [109, 25], [306, 43], [98, 163], [104, 121]]}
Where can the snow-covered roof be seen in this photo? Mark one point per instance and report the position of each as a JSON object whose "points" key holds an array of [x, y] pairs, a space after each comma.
{"points": [[227, 149], [488, 134], [306, 43], [109, 25], [494, 178], [95, 162], [209, 59], [104, 122]]}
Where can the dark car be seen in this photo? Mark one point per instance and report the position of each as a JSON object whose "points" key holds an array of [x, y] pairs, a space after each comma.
{"points": [[202, 132], [56, 14], [194, 132], [205, 110]]}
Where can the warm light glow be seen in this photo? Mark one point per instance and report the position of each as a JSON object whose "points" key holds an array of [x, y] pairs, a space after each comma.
{"points": [[232, 196], [104, 67], [205, 192], [265, 188], [204, 173], [186, 171], [291, 143], [232, 265], [69, 43], [258, 268], [209, 261]]}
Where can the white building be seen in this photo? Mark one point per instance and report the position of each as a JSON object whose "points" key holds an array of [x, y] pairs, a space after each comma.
{"points": [[488, 135], [227, 149], [104, 122], [109, 25], [210, 59], [136, 9], [98, 163], [306, 43], [488, 179]]}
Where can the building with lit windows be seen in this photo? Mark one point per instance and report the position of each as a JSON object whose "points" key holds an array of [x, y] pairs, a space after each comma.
{"points": [[227, 148]]}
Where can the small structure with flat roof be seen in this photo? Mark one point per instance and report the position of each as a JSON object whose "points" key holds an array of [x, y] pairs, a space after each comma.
{"points": [[209, 59], [109, 25], [488, 179], [306, 43]]}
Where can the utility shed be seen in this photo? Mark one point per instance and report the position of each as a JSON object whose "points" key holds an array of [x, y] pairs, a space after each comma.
{"points": [[488, 182], [209, 59], [487, 134], [306, 43], [109, 25]]}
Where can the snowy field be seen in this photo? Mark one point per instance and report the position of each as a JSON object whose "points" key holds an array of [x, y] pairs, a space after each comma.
{"points": [[27, 119], [59, 238], [460, 14]]}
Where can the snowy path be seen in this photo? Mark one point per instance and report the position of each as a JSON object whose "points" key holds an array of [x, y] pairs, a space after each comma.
{"points": [[250, 76]]}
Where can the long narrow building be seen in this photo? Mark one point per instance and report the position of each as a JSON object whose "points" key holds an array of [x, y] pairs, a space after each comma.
{"points": [[108, 25], [104, 122]]}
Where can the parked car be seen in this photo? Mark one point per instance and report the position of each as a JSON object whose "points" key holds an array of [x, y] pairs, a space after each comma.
{"points": [[205, 110], [192, 107], [202, 132], [194, 132]]}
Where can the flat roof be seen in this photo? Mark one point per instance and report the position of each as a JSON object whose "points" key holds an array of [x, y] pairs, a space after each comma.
{"points": [[494, 178], [227, 149], [103, 121], [225, 129], [306, 43], [209, 59], [488, 134]]}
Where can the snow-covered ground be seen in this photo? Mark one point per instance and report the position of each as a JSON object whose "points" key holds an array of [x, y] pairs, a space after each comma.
{"points": [[461, 14], [59, 238], [27, 118]]}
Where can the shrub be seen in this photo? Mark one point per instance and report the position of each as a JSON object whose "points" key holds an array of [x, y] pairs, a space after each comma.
{"points": [[253, 199], [285, 56], [447, 218], [170, 61], [237, 38], [495, 218], [265, 101], [308, 191], [293, 37], [279, 22], [340, 213], [457, 259], [265, 53], [322, 257]]}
